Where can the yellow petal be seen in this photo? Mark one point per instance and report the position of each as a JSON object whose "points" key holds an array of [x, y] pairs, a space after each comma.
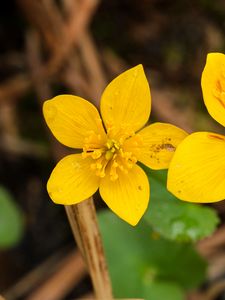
{"points": [[72, 119], [213, 86], [128, 196], [157, 145], [126, 101], [197, 170], [72, 180]]}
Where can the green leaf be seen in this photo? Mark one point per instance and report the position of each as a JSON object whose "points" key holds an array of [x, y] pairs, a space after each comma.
{"points": [[175, 219], [159, 290], [138, 259], [11, 220]]}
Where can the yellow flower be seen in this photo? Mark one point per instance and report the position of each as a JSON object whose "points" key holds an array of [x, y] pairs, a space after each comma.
{"points": [[110, 147], [197, 170]]}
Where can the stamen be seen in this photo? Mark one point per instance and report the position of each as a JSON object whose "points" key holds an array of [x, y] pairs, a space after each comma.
{"points": [[110, 156], [113, 173]]}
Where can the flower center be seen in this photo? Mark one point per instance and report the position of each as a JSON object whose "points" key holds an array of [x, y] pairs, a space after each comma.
{"points": [[110, 158], [112, 147]]}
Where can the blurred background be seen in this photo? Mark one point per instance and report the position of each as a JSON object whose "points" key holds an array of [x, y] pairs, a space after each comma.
{"points": [[48, 47]]}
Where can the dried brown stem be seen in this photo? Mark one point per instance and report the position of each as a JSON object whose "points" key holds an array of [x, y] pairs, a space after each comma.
{"points": [[84, 225]]}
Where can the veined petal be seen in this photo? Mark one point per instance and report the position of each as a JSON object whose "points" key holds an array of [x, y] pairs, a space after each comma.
{"points": [[126, 101], [73, 119], [197, 170], [157, 144], [72, 181], [213, 86], [128, 196]]}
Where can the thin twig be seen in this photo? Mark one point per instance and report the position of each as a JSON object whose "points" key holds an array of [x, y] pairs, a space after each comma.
{"points": [[74, 79], [61, 282], [211, 244], [89, 55], [18, 146], [60, 36], [214, 290], [73, 30], [44, 18], [13, 88], [93, 66], [35, 276]]}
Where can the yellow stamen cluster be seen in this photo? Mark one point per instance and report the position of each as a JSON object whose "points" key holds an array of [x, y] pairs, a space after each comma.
{"points": [[109, 155]]}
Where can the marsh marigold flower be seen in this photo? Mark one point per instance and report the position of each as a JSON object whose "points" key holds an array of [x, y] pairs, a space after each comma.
{"points": [[110, 146], [197, 170]]}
